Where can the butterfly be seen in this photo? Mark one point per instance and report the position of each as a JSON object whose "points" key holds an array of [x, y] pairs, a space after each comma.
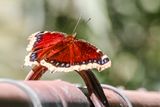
{"points": [[61, 52]]}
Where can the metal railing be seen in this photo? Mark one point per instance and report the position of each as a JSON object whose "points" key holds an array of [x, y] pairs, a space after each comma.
{"points": [[58, 93]]}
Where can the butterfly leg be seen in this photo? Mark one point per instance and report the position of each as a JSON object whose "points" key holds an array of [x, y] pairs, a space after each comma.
{"points": [[94, 87]]}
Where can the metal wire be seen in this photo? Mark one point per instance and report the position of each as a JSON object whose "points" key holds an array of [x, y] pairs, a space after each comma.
{"points": [[119, 92], [30, 93]]}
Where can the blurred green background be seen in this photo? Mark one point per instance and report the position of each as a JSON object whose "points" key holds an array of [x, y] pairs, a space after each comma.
{"points": [[128, 31]]}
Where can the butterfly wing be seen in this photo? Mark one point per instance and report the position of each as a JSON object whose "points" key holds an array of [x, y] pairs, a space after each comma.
{"points": [[40, 44], [88, 56]]}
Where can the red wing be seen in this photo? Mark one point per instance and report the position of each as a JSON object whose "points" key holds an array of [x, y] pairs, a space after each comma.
{"points": [[41, 44], [59, 56], [45, 39], [83, 52], [60, 59]]}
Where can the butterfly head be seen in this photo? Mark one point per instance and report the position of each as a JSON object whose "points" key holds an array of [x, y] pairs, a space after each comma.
{"points": [[71, 37]]}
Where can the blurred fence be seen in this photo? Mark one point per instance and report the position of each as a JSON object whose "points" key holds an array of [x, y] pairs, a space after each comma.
{"points": [[62, 94]]}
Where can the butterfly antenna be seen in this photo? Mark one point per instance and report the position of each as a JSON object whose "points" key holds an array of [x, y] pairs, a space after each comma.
{"points": [[76, 24]]}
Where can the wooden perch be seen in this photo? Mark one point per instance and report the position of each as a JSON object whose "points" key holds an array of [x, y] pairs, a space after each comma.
{"points": [[62, 94]]}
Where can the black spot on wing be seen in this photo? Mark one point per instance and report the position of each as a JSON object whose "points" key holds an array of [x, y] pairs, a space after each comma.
{"points": [[98, 61], [104, 61], [59, 64], [39, 36], [33, 56]]}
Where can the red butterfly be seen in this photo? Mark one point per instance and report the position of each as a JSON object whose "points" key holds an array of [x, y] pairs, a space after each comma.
{"points": [[61, 52]]}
